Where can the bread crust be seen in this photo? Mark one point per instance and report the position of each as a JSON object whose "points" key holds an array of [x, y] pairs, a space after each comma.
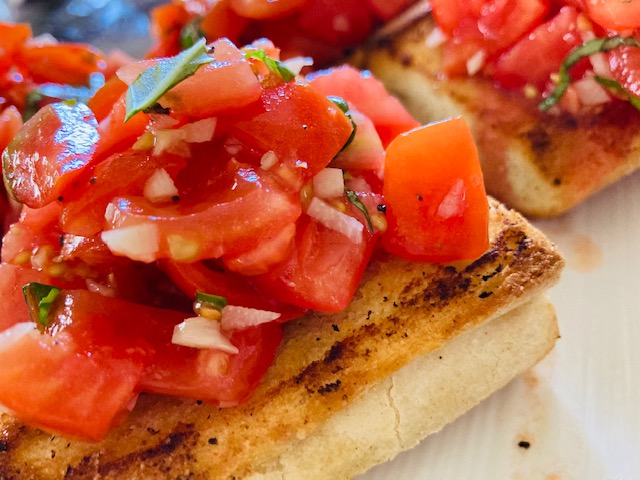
{"points": [[403, 311], [539, 163]]}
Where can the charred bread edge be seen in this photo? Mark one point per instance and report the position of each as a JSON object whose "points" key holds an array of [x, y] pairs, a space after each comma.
{"points": [[422, 397], [402, 311], [541, 164]]}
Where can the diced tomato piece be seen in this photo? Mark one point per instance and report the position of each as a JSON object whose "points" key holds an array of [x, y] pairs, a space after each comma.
{"points": [[301, 126], [625, 67], [64, 63], [221, 21], [485, 27], [238, 217], [47, 383], [322, 272], [437, 208], [84, 208], [191, 278], [49, 152], [368, 95], [365, 152], [106, 97], [336, 22], [12, 37], [167, 21], [533, 59], [10, 123], [265, 9], [614, 14], [225, 84]]}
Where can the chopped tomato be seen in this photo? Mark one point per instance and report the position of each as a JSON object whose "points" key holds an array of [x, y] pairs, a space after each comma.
{"points": [[336, 22], [49, 153], [323, 271], [223, 85], [367, 95], [625, 68], [66, 391], [614, 14], [103, 100], [178, 230], [386, 10], [219, 20], [260, 9], [532, 60], [10, 123], [437, 209], [484, 27], [301, 126]]}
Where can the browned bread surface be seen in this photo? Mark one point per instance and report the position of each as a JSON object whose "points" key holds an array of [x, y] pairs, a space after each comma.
{"points": [[541, 164], [328, 366]]}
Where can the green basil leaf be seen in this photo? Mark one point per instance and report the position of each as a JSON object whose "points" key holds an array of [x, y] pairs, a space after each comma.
{"points": [[356, 202], [342, 104], [39, 298], [274, 66], [619, 89], [590, 47], [215, 301], [155, 81]]}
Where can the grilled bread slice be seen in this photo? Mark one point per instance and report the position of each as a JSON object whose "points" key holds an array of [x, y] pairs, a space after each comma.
{"points": [[419, 345], [541, 164]]}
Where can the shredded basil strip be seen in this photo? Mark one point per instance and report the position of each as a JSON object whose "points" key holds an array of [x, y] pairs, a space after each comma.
{"points": [[342, 104], [191, 33], [274, 66], [39, 298], [590, 47], [355, 200], [214, 301], [613, 85], [155, 81]]}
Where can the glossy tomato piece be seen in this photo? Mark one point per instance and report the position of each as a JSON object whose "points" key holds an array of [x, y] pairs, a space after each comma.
{"points": [[191, 278], [166, 22], [219, 20], [614, 14], [301, 126], [336, 22], [49, 152], [532, 60], [84, 209], [437, 209], [48, 384], [368, 95], [485, 27], [64, 63], [225, 84], [230, 216], [265, 9], [625, 67], [323, 271]]}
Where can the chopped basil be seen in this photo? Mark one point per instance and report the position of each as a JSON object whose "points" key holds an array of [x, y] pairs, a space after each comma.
{"points": [[39, 298], [590, 47], [190, 33], [355, 200], [155, 81], [342, 104], [214, 301], [274, 66], [615, 86]]}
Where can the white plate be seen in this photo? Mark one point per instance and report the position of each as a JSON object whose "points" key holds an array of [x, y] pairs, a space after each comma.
{"points": [[579, 409]]}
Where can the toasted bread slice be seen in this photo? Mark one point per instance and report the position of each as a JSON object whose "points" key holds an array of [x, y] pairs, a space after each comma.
{"points": [[541, 164], [418, 345]]}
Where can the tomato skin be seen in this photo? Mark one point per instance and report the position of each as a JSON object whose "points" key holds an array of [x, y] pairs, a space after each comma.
{"points": [[625, 67], [66, 392], [490, 26], [614, 14], [322, 272], [437, 209], [263, 9], [49, 153], [336, 22], [301, 126], [229, 83], [532, 60], [367, 95], [387, 10]]}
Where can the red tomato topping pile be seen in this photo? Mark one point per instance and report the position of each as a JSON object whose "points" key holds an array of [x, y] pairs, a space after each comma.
{"points": [[259, 201], [321, 29], [524, 44]]}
